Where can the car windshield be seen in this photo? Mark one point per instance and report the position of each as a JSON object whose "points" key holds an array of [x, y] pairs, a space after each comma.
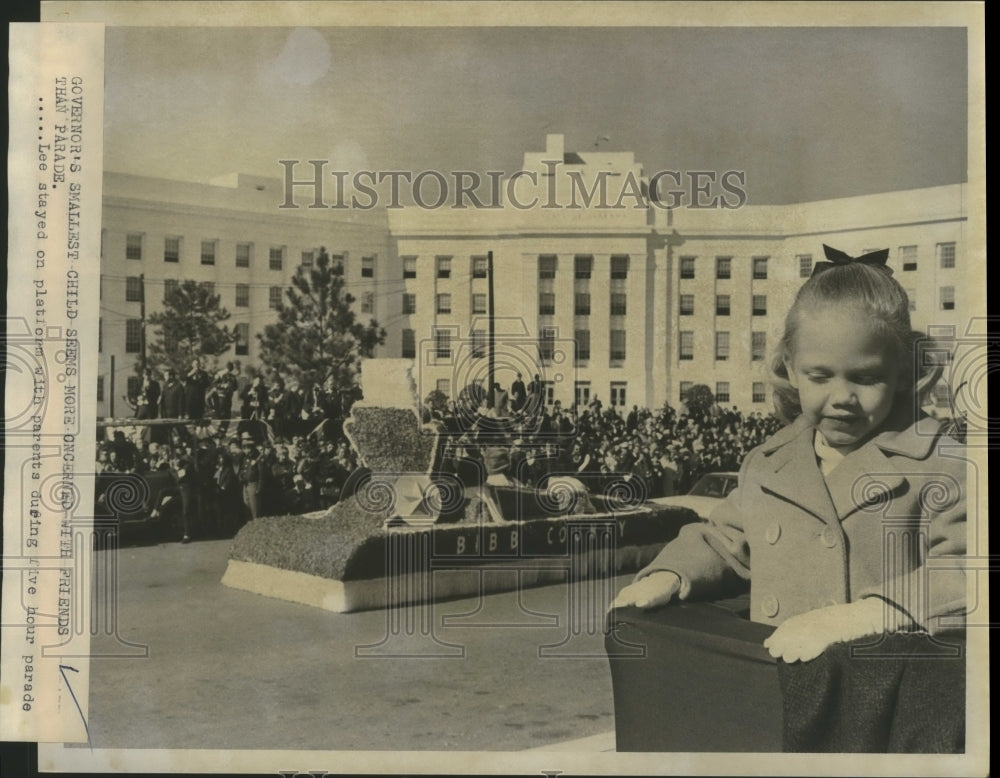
{"points": [[714, 485]]}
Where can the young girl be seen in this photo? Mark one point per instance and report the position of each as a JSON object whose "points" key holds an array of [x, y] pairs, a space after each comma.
{"points": [[842, 520]]}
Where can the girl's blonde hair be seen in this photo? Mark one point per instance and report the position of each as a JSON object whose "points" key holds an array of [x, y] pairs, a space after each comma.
{"points": [[877, 296]]}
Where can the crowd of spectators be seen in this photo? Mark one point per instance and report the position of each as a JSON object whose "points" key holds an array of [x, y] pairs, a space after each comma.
{"points": [[246, 444], [668, 449]]}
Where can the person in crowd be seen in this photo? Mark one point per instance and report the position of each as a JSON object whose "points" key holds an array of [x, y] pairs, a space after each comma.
{"points": [[184, 473], [250, 474], [172, 396], [518, 394], [196, 384], [148, 400]]}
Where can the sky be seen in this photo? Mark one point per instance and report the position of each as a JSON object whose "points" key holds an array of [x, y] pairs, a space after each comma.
{"points": [[806, 113]]}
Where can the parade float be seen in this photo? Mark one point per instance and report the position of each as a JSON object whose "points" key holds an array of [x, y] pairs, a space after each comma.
{"points": [[405, 530]]}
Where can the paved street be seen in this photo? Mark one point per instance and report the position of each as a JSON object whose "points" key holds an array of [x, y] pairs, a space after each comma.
{"points": [[231, 669]]}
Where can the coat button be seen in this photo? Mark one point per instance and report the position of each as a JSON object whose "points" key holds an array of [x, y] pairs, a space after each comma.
{"points": [[828, 538], [769, 606], [772, 533]]}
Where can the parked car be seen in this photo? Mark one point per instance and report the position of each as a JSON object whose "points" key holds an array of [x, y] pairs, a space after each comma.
{"points": [[709, 491], [137, 501]]}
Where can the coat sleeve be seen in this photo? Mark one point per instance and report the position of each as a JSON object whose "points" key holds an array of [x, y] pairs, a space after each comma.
{"points": [[711, 556], [924, 576]]}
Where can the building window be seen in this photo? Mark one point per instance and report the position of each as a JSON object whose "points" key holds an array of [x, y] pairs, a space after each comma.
{"points": [[308, 259], [685, 390], [582, 345], [480, 267], [546, 266], [758, 346], [242, 344], [618, 394], [581, 304], [760, 268], [409, 267], [208, 252], [722, 392], [133, 385], [442, 343], [759, 393], [687, 305], [619, 268], [243, 295], [276, 258], [759, 305], [243, 255], [582, 267], [618, 304], [581, 393], [443, 385], [133, 289], [478, 344], [721, 346], [100, 388], [368, 302], [367, 267], [409, 304], [546, 345], [723, 267], [722, 305], [686, 345], [947, 298], [444, 267], [409, 350], [171, 249], [170, 286], [209, 287], [133, 245], [805, 265], [617, 345], [687, 267], [546, 304], [479, 303], [274, 297], [133, 336], [337, 261], [946, 255], [444, 303], [908, 257]]}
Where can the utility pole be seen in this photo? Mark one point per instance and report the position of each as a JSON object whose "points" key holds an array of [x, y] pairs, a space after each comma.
{"points": [[142, 323], [111, 389], [492, 327]]}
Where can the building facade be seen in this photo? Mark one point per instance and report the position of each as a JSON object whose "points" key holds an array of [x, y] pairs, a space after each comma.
{"points": [[600, 290]]}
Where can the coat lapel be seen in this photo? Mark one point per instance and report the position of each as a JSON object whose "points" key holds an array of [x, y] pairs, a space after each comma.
{"points": [[793, 474]]}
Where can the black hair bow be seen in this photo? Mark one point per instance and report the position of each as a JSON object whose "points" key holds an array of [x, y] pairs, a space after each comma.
{"points": [[835, 257]]}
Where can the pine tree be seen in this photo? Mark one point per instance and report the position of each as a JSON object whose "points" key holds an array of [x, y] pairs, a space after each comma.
{"points": [[317, 339], [190, 325]]}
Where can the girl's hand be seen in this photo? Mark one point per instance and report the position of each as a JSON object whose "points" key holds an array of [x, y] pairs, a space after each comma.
{"points": [[655, 589], [807, 635]]}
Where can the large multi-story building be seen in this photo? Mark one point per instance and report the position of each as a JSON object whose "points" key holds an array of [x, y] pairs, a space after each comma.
{"points": [[634, 302], [601, 290]]}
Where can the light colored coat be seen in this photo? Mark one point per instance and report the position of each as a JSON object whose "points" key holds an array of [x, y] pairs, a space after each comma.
{"points": [[888, 521]]}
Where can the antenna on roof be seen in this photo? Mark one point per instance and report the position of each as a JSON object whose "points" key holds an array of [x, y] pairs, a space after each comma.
{"points": [[599, 139]]}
